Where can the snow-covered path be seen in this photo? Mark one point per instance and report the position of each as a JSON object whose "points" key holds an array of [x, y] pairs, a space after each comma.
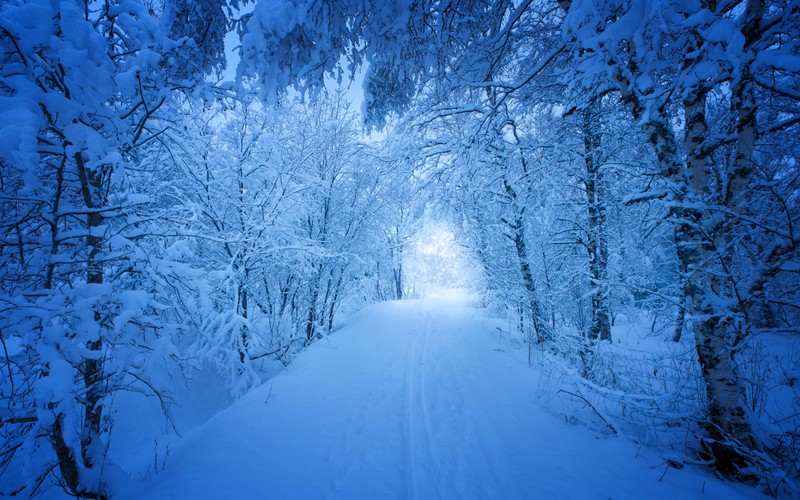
{"points": [[414, 399]]}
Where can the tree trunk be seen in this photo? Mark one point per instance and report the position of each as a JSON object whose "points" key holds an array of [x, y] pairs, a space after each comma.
{"points": [[396, 254], [679, 321], [731, 440], [540, 333], [243, 305], [727, 421], [334, 301], [596, 244], [311, 314], [67, 462], [91, 369], [397, 273]]}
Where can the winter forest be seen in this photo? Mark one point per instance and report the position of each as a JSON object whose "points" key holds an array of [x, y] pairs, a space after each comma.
{"points": [[211, 209]]}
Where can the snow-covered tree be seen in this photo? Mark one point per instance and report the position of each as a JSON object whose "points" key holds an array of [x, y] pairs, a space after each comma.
{"points": [[81, 83], [666, 56]]}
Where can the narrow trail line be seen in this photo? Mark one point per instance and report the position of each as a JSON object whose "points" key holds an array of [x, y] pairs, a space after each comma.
{"points": [[412, 437], [412, 399]]}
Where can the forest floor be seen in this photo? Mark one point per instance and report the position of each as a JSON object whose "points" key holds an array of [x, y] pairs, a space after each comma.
{"points": [[413, 399]]}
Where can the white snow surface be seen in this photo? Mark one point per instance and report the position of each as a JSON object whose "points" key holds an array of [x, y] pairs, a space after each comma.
{"points": [[412, 399]]}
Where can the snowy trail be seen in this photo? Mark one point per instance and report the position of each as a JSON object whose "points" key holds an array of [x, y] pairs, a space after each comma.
{"points": [[414, 399]]}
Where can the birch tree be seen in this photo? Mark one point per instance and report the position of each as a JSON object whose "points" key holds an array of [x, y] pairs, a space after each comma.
{"points": [[731, 47]]}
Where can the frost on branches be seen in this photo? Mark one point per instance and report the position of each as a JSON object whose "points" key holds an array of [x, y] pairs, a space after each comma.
{"points": [[602, 162], [83, 303]]}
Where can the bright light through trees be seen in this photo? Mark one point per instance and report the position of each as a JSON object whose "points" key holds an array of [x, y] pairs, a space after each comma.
{"points": [[437, 264], [582, 164]]}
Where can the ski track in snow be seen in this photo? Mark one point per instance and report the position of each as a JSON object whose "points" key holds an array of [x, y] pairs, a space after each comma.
{"points": [[411, 436], [414, 400]]}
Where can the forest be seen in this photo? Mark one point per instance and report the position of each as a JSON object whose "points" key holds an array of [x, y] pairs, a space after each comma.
{"points": [[187, 191]]}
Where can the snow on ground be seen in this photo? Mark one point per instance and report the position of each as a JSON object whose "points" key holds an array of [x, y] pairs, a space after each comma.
{"points": [[413, 399]]}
